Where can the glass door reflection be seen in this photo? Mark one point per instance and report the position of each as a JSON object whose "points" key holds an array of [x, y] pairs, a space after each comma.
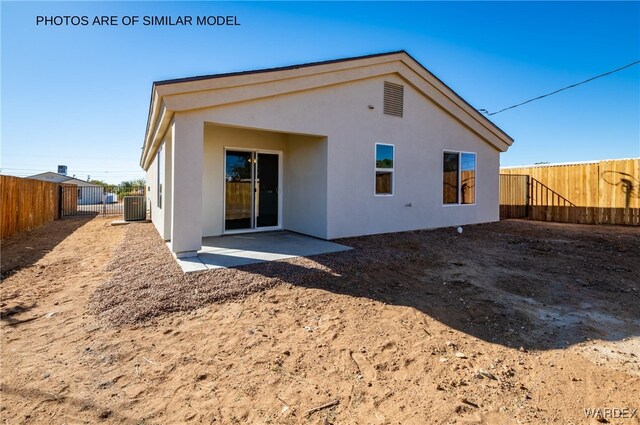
{"points": [[239, 189]]}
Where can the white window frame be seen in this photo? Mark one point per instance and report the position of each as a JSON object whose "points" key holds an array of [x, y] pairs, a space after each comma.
{"points": [[391, 170], [254, 229], [459, 203]]}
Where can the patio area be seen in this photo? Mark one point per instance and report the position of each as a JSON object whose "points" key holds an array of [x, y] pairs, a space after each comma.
{"points": [[249, 248]]}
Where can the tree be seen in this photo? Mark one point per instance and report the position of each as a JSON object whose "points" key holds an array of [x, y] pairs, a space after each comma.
{"points": [[99, 182], [136, 182], [131, 187]]}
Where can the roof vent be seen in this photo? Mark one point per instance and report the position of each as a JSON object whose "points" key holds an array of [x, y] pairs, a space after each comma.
{"points": [[393, 99]]}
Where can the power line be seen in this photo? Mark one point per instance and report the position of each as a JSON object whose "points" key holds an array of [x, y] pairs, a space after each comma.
{"points": [[484, 111], [67, 157], [96, 171]]}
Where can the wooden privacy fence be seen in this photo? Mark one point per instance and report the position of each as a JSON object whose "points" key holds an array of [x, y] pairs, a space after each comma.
{"points": [[29, 203], [26, 204], [514, 196], [603, 192], [238, 199]]}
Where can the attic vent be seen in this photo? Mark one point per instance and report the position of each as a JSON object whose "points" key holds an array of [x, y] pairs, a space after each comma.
{"points": [[393, 99]]}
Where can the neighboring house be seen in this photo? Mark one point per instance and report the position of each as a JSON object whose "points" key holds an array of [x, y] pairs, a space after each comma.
{"points": [[88, 193], [349, 147]]}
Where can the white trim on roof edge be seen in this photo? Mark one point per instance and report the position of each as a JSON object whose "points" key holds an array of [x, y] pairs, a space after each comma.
{"points": [[180, 96]]}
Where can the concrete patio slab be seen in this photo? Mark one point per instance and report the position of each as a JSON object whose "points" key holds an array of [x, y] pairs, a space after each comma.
{"points": [[238, 250]]}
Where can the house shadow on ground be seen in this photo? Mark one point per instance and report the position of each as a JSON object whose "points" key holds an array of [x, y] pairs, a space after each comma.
{"points": [[515, 283]]}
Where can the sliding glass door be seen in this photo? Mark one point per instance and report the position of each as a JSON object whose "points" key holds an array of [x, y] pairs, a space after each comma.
{"points": [[267, 184], [238, 190], [252, 192]]}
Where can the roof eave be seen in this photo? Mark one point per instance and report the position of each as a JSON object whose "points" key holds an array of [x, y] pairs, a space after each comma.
{"points": [[158, 113]]}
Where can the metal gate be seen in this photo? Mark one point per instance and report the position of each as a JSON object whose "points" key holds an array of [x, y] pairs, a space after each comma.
{"points": [[95, 200]]}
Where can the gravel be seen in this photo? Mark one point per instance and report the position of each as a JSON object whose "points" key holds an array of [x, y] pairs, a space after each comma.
{"points": [[146, 282], [488, 263]]}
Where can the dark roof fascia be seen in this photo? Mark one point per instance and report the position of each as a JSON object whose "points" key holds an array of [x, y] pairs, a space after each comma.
{"points": [[254, 71], [281, 68]]}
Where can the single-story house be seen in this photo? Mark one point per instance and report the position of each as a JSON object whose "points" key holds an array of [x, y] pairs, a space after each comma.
{"points": [[348, 147], [88, 193]]}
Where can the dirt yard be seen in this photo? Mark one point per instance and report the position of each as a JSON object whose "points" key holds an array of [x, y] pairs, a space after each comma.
{"points": [[510, 322]]}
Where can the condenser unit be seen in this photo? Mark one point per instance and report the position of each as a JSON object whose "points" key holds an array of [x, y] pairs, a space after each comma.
{"points": [[135, 208]]}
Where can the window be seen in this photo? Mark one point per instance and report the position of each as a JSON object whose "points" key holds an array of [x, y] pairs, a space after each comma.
{"points": [[160, 175], [384, 169], [79, 193], [468, 178], [450, 178], [458, 178]]}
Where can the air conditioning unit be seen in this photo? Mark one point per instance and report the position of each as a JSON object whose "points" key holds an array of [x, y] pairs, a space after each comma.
{"points": [[135, 208]]}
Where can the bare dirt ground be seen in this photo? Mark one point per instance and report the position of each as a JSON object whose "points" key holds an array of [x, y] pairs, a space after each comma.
{"points": [[510, 322]]}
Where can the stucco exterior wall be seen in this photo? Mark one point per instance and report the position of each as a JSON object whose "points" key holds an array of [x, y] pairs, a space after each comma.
{"points": [[304, 179], [157, 214], [305, 192], [419, 138], [304, 176], [161, 216], [216, 138], [342, 114], [186, 162]]}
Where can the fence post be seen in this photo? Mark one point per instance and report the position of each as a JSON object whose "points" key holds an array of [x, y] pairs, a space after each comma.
{"points": [[60, 202], [528, 201]]}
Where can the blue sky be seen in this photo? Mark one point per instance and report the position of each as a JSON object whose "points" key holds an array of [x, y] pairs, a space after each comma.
{"points": [[79, 95]]}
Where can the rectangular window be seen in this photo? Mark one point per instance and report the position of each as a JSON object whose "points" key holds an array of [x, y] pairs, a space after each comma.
{"points": [[468, 178], [458, 178], [79, 193], [384, 169], [160, 175], [450, 178]]}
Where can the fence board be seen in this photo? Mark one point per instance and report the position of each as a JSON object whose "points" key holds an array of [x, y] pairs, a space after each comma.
{"points": [[238, 200], [514, 196], [69, 199], [26, 204], [603, 192]]}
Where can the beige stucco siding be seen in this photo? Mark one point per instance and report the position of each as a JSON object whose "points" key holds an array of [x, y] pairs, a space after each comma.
{"points": [[161, 216], [185, 177], [341, 202], [419, 137], [305, 190], [216, 139], [325, 119], [304, 180], [157, 214]]}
